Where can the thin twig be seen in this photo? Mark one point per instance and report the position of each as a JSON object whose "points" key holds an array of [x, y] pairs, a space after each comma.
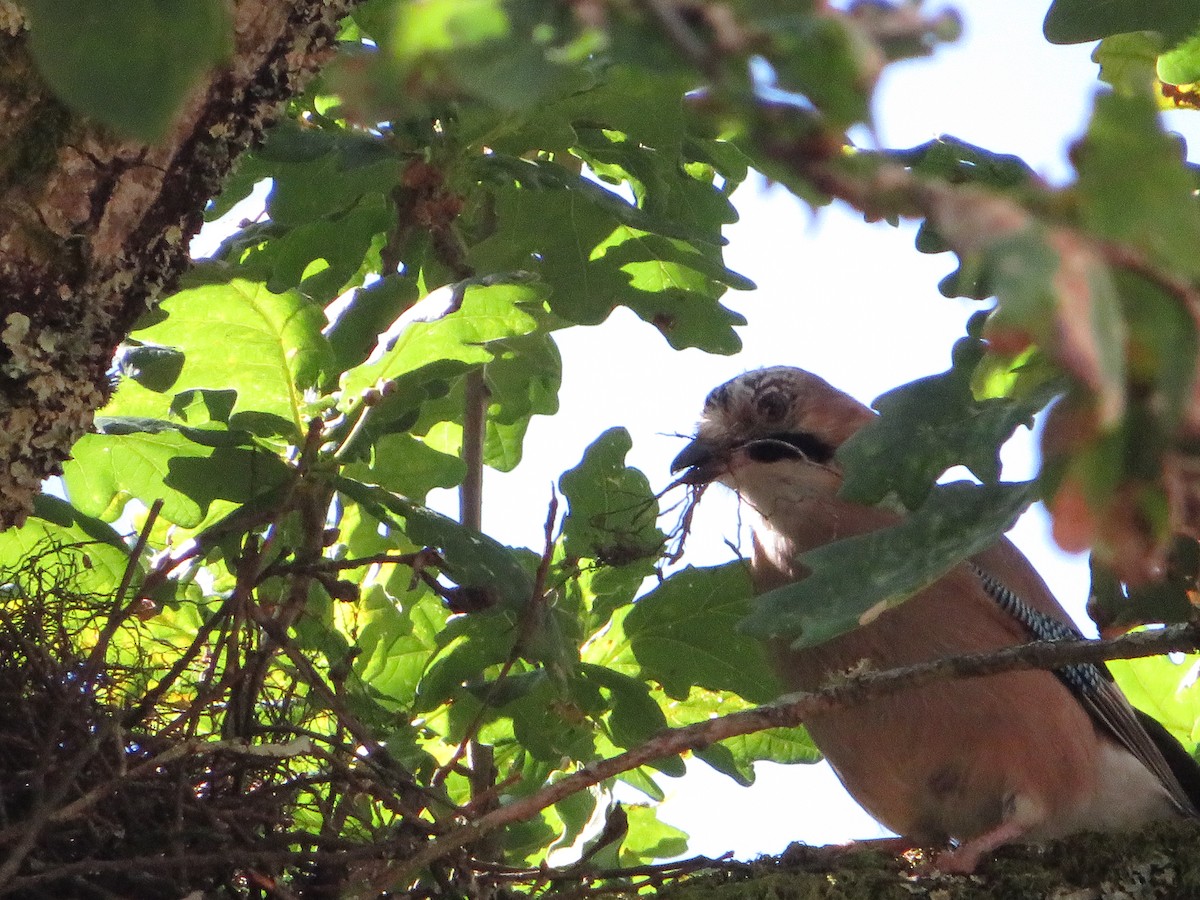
{"points": [[138, 548], [191, 747], [481, 756], [120, 611], [536, 598], [416, 559], [361, 734], [152, 696]]}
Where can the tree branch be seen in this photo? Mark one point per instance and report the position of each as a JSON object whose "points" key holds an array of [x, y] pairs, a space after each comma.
{"points": [[793, 710]]}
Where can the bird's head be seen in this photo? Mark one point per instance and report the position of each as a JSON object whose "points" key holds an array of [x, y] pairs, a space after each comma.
{"points": [[767, 416]]}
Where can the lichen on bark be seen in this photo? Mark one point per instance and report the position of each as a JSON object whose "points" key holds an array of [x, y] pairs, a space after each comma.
{"points": [[94, 229]]}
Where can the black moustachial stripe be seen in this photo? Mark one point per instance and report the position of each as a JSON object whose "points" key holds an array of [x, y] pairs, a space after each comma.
{"points": [[787, 444]]}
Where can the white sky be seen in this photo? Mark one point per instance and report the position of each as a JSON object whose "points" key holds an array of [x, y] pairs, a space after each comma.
{"points": [[854, 303]]}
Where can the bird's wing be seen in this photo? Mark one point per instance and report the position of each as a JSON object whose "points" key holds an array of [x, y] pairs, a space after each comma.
{"points": [[1044, 619]]}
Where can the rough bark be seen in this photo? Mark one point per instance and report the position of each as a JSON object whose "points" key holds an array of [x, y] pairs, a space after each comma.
{"points": [[94, 229]]}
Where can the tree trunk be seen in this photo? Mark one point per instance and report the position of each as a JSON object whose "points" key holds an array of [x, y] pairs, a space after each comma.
{"points": [[94, 229]]}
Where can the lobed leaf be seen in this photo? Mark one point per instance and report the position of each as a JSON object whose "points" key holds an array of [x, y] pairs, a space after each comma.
{"points": [[940, 424], [683, 634], [1164, 687], [612, 511], [475, 560], [236, 335], [1134, 185], [107, 470], [853, 579], [450, 337]]}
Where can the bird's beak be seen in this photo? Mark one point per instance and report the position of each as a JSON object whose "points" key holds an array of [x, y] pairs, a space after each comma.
{"points": [[703, 460]]}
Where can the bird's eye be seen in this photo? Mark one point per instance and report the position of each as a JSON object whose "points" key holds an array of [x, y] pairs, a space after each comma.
{"points": [[772, 406]]}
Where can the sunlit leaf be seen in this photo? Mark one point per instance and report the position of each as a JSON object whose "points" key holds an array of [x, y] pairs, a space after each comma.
{"points": [[237, 335], [69, 544], [940, 424], [735, 757], [451, 335], [1128, 61], [1165, 687], [475, 560], [107, 470], [1181, 64], [650, 839], [396, 644]]}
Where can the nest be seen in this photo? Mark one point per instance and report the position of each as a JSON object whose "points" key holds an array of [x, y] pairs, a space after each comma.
{"points": [[111, 786]]}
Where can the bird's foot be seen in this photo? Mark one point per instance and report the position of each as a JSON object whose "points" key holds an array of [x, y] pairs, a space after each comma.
{"points": [[965, 858]]}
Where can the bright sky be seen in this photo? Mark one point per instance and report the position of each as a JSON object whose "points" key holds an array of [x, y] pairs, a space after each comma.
{"points": [[854, 303]]}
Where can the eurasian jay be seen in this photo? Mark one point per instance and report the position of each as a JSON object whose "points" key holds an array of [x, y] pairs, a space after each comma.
{"points": [[1021, 757]]}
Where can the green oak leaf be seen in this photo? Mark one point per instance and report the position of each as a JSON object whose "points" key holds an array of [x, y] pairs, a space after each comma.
{"points": [[154, 368], [683, 634], [612, 512], [1164, 687], [107, 470], [826, 60], [855, 578], [1129, 61], [236, 335], [319, 174], [474, 560], [406, 465], [396, 644], [68, 543], [635, 716], [323, 256], [128, 63], [449, 338], [1134, 185], [1077, 21], [1181, 64], [522, 381], [466, 647], [198, 406], [649, 839], [941, 424], [956, 160], [735, 757], [599, 263], [371, 310]]}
